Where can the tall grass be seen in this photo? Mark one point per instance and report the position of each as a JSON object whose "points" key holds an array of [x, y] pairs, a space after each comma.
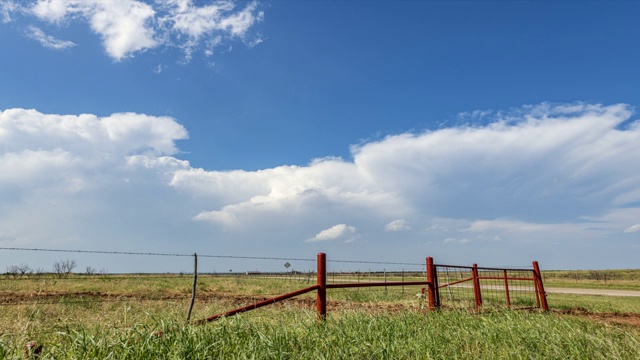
{"points": [[352, 335], [595, 303], [133, 322]]}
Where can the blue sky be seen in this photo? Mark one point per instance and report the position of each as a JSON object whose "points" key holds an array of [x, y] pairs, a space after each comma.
{"points": [[488, 132]]}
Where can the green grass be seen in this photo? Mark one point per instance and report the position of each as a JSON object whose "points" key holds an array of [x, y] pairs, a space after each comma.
{"points": [[361, 323], [352, 335], [593, 279], [595, 304]]}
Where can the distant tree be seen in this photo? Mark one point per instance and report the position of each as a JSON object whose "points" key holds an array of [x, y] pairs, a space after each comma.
{"points": [[24, 269], [63, 268], [90, 270], [12, 270], [19, 270]]}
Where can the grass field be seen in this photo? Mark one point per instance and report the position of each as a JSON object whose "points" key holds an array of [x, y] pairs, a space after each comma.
{"points": [[591, 279], [138, 317]]}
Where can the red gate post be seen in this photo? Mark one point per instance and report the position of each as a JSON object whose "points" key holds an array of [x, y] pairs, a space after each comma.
{"points": [[540, 287], [321, 302], [535, 288], [432, 292], [434, 301], [476, 287]]}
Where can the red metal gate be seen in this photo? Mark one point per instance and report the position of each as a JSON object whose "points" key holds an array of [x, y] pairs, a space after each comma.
{"points": [[488, 281]]}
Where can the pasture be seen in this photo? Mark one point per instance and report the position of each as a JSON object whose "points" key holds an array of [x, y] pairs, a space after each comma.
{"points": [[143, 316]]}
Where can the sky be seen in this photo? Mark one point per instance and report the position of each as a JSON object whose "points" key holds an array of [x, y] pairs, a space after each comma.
{"points": [[484, 132]]}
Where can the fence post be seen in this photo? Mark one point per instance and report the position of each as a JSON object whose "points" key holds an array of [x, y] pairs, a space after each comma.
{"points": [[539, 286], [432, 279], [385, 280], [321, 302], [506, 289], [476, 287], [195, 281]]}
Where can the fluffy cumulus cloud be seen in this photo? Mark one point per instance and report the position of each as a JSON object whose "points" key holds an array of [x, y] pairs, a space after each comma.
{"points": [[551, 164], [117, 134], [61, 175], [539, 181], [548, 164], [546, 173], [130, 26], [335, 232]]}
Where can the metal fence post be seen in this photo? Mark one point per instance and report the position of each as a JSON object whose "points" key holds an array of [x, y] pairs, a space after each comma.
{"points": [[476, 287], [195, 281], [385, 279], [539, 286], [321, 302], [432, 279], [506, 288]]}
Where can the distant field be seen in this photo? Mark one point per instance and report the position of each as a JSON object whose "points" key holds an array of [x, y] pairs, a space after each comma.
{"points": [[102, 316], [593, 279]]}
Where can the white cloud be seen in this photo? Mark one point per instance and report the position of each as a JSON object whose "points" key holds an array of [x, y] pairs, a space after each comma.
{"points": [[289, 190], [158, 69], [546, 166], [512, 226], [195, 21], [546, 177], [85, 134], [64, 150], [6, 8], [131, 26], [334, 232], [48, 40], [632, 229], [456, 240], [123, 26], [208, 24], [84, 179], [397, 225]]}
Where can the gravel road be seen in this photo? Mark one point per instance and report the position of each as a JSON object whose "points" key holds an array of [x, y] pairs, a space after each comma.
{"points": [[604, 292]]}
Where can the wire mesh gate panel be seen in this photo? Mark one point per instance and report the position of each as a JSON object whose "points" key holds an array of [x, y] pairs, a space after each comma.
{"points": [[475, 287]]}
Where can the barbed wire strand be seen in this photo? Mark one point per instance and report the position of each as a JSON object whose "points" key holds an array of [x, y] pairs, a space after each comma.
{"points": [[87, 301], [201, 255]]}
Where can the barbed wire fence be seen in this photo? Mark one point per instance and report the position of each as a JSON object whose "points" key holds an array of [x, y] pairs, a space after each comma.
{"points": [[38, 295], [28, 293]]}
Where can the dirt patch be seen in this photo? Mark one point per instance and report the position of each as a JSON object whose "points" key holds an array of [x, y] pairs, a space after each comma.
{"points": [[23, 298], [233, 300], [628, 319]]}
